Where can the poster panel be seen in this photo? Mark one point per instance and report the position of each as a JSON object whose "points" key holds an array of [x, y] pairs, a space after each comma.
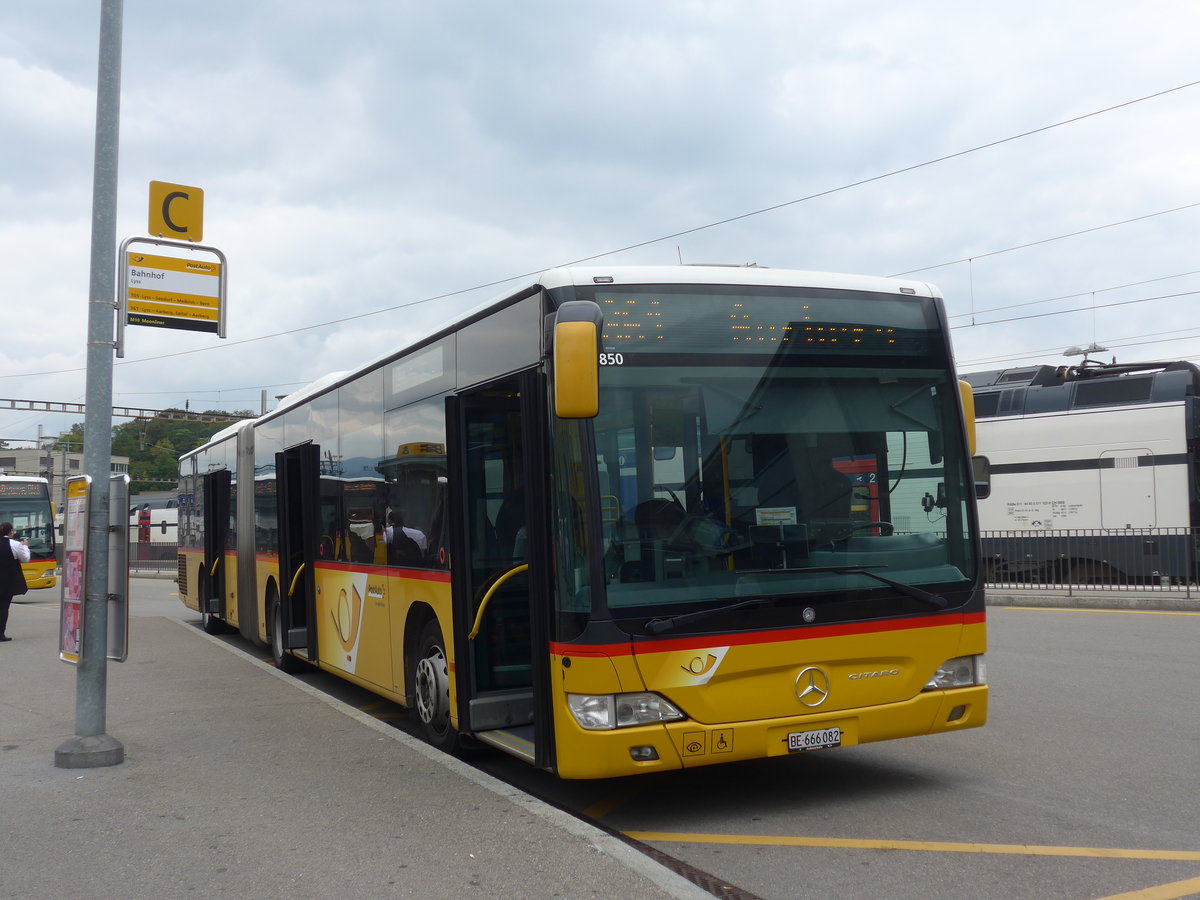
{"points": [[75, 530]]}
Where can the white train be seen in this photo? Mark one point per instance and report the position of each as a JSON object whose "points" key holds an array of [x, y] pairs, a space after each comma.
{"points": [[1089, 473], [153, 520]]}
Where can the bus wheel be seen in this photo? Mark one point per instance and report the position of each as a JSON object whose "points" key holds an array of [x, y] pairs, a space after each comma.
{"points": [[431, 684], [284, 661], [211, 624]]}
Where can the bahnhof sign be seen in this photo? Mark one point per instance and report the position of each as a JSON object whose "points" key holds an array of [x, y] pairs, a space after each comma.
{"points": [[172, 292]]}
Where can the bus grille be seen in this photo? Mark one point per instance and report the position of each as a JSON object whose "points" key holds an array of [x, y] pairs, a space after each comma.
{"points": [[181, 561]]}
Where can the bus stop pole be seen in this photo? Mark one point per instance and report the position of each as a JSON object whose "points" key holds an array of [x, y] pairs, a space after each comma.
{"points": [[92, 747]]}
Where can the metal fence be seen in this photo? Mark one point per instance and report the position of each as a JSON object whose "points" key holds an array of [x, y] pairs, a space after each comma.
{"points": [[1151, 559], [1100, 559], [146, 558]]}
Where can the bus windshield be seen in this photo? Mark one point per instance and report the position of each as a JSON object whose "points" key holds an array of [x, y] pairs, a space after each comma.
{"points": [[798, 449], [27, 506]]}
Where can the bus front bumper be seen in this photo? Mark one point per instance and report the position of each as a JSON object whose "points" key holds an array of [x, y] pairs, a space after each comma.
{"points": [[689, 744]]}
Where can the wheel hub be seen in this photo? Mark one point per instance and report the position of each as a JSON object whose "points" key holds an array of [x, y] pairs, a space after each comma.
{"points": [[432, 688]]}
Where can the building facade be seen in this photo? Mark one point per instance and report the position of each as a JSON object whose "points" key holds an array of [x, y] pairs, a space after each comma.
{"points": [[57, 466]]}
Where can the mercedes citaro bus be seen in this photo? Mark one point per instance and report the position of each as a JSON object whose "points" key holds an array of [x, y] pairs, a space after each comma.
{"points": [[622, 520]]}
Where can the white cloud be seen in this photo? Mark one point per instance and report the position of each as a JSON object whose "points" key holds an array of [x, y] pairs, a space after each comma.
{"points": [[362, 156]]}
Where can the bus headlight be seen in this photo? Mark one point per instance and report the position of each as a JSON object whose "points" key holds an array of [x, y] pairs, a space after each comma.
{"points": [[962, 671], [596, 712]]}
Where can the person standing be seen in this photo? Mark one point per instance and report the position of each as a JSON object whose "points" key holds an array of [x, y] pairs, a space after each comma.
{"points": [[12, 579]]}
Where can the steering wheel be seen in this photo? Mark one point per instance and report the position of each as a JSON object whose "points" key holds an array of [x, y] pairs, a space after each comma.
{"points": [[885, 527]]}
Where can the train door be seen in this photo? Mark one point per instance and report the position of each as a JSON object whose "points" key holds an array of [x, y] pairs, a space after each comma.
{"points": [[501, 587], [293, 618]]}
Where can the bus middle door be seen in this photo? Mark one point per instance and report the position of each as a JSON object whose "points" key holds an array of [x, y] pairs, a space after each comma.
{"points": [[213, 596], [298, 473]]}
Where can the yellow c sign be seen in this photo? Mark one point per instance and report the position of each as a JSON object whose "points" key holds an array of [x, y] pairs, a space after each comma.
{"points": [[176, 211]]}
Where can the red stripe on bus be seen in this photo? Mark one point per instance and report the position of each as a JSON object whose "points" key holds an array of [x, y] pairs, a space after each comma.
{"points": [[745, 639], [417, 574]]}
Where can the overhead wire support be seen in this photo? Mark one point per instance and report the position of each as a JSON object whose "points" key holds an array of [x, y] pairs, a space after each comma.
{"points": [[698, 228], [126, 412]]}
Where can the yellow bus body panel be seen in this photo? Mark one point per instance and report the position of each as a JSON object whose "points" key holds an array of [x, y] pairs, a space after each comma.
{"points": [[39, 573], [361, 616], [230, 562], [742, 699]]}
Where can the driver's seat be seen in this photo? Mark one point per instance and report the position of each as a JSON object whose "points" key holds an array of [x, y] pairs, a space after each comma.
{"points": [[658, 520]]}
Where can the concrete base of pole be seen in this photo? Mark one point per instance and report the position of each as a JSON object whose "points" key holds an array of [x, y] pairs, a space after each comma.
{"points": [[89, 752]]}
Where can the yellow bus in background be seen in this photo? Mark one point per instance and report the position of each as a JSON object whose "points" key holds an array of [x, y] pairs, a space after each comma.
{"points": [[25, 501], [621, 520]]}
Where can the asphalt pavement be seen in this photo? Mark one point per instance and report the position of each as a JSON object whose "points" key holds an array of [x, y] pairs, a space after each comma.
{"points": [[240, 781]]}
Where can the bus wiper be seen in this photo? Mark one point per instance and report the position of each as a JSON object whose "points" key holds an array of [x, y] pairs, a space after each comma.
{"points": [[669, 623], [658, 626], [937, 601]]}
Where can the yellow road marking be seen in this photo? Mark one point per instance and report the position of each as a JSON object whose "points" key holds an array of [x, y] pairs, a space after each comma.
{"points": [[1128, 612], [929, 846], [1171, 891], [371, 706], [613, 801]]}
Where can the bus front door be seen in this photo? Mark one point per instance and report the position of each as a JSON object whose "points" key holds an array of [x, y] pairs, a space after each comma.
{"points": [[213, 595], [500, 594], [297, 470]]}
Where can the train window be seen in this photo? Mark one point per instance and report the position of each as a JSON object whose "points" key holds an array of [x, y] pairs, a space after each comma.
{"points": [[1113, 390], [986, 405]]}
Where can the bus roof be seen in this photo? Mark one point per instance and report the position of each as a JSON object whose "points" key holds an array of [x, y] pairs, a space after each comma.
{"points": [[729, 274]]}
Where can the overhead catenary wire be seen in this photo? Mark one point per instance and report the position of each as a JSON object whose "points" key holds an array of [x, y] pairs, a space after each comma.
{"points": [[1060, 237], [1156, 337], [677, 234], [1100, 290]]}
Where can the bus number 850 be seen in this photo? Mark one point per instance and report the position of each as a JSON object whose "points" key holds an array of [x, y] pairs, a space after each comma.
{"points": [[612, 359]]}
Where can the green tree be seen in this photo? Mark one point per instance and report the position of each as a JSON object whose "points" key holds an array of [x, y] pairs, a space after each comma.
{"points": [[153, 445]]}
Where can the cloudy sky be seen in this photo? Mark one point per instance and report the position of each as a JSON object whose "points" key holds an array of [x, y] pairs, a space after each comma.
{"points": [[360, 158]]}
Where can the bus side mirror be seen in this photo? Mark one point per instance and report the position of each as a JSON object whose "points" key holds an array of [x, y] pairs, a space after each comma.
{"points": [[968, 407], [577, 360]]}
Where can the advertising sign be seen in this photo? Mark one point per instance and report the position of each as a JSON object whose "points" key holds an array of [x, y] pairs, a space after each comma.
{"points": [[75, 530]]}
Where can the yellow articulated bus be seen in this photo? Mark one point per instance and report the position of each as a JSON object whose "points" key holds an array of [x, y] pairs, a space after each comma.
{"points": [[622, 520], [25, 501]]}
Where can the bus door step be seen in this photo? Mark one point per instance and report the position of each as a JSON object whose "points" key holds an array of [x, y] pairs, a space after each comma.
{"points": [[516, 741]]}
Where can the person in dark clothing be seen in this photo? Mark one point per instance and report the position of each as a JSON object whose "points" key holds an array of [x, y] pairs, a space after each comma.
{"points": [[12, 580]]}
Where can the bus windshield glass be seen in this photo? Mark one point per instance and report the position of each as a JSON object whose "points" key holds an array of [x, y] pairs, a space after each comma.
{"points": [[27, 505], [765, 452]]}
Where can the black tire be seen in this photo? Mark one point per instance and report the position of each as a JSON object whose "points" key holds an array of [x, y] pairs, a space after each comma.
{"points": [[211, 624], [284, 661], [430, 679]]}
